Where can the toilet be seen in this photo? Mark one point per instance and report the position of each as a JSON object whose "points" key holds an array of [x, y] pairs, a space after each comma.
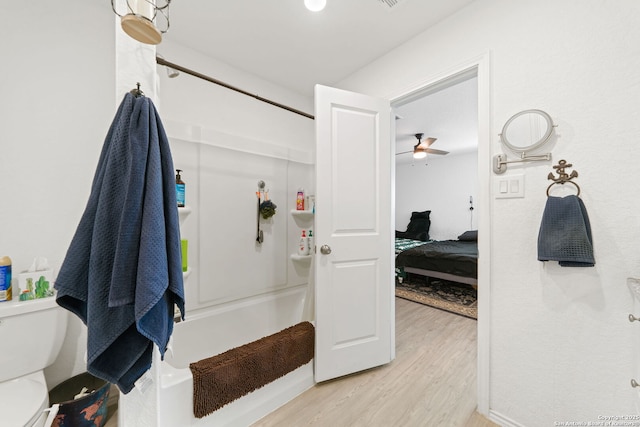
{"points": [[31, 335]]}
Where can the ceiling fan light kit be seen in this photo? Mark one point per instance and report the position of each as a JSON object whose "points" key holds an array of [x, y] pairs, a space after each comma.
{"points": [[420, 151]]}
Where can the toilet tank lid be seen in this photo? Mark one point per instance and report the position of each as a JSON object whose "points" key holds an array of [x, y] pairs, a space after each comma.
{"points": [[14, 308]]}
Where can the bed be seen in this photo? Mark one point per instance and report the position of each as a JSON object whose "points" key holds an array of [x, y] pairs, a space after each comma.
{"points": [[452, 260]]}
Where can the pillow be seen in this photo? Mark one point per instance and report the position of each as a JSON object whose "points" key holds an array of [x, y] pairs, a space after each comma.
{"points": [[469, 236], [416, 215]]}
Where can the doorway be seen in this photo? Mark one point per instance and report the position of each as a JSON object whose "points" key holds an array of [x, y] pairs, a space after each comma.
{"points": [[447, 122], [476, 70]]}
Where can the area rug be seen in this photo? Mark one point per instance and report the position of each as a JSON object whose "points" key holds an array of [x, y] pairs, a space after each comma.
{"points": [[449, 296]]}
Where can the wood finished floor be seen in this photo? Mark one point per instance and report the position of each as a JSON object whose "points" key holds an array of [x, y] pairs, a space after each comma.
{"points": [[432, 381]]}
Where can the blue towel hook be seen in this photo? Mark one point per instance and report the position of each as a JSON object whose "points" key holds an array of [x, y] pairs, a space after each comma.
{"points": [[137, 92]]}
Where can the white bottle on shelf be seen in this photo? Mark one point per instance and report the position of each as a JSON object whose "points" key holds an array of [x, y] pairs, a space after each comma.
{"points": [[310, 242], [303, 246]]}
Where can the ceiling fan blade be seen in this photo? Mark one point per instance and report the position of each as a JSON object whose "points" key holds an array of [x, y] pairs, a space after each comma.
{"points": [[426, 143], [434, 151], [423, 146], [429, 141]]}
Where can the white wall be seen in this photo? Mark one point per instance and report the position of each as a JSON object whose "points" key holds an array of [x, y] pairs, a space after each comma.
{"points": [[443, 186], [56, 106], [186, 99], [560, 342]]}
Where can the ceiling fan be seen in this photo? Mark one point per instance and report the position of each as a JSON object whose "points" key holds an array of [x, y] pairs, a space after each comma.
{"points": [[421, 149]]}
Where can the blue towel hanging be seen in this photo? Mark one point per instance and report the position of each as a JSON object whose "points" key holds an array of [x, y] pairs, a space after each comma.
{"points": [[122, 274], [565, 233]]}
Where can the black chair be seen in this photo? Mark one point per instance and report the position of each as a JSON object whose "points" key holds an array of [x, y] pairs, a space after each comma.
{"points": [[418, 227]]}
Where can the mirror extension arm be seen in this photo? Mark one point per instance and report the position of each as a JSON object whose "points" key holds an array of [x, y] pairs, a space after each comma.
{"points": [[500, 161]]}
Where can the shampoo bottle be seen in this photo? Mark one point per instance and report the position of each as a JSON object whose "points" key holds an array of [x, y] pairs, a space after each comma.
{"points": [[5, 278], [180, 189], [300, 200]]}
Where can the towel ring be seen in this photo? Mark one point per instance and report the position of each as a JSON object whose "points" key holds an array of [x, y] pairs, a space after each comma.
{"points": [[570, 182], [563, 177]]}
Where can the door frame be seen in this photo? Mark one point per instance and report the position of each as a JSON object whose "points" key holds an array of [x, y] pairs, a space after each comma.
{"points": [[480, 67]]}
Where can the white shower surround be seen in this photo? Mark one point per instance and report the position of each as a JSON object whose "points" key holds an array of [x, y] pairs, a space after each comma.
{"points": [[238, 291], [168, 400]]}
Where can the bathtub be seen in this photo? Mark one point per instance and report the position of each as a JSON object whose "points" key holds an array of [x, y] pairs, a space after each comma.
{"points": [[164, 396]]}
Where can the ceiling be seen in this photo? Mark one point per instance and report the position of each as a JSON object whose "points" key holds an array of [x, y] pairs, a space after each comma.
{"points": [[450, 114], [282, 42]]}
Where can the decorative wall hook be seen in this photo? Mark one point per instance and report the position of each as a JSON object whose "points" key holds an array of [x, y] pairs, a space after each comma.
{"points": [[137, 92], [563, 177]]}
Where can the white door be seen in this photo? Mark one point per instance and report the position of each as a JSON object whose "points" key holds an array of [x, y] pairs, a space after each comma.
{"points": [[355, 312]]}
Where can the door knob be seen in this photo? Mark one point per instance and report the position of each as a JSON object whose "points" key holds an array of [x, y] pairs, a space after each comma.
{"points": [[325, 249], [632, 318], [634, 383]]}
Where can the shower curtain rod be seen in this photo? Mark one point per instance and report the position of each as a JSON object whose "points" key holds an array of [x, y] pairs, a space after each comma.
{"points": [[166, 63]]}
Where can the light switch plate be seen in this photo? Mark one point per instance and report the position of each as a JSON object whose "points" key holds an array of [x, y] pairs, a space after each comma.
{"points": [[508, 186]]}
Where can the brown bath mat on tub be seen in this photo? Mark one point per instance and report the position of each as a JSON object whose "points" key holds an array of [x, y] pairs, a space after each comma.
{"points": [[221, 379]]}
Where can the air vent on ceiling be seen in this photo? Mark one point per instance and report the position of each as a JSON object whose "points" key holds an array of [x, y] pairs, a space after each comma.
{"points": [[390, 3]]}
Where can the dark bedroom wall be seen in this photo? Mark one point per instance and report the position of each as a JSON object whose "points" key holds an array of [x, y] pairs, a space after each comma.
{"points": [[443, 186]]}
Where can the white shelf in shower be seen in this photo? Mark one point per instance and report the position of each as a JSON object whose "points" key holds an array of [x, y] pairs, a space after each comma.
{"points": [[296, 257], [306, 214], [186, 274], [183, 213]]}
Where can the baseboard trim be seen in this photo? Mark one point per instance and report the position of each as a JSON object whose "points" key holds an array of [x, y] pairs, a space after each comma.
{"points": [[502, 420]]}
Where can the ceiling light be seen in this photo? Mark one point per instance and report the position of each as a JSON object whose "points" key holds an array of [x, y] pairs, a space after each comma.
{"points": [[315, 5], [419, 153], [144, 20]]}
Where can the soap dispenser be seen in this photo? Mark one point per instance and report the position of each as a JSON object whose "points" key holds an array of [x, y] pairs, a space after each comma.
{"points": [[310, 245], [180, 189]]}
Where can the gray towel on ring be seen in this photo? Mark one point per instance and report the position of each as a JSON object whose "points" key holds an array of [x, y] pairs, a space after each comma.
{"points": [[565, 233]]}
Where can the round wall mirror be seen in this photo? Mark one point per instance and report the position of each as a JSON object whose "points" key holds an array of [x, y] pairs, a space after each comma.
{"points": [[527, 131]]}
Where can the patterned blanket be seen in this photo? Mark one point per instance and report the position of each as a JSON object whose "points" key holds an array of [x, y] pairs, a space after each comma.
{"points": [[404, 244]]}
